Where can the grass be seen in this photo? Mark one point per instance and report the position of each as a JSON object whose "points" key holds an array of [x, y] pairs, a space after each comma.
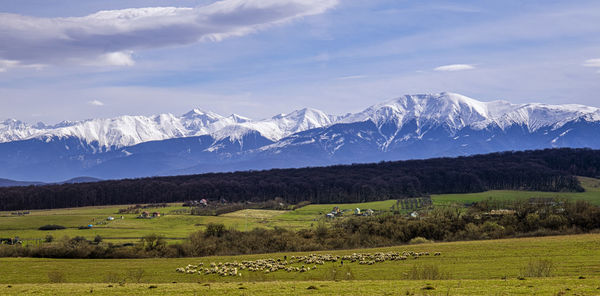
{"points": [[571, 256], [547, 286], [491, 267], [591, 194], [313, 212], [175, 225], [254, 214]]}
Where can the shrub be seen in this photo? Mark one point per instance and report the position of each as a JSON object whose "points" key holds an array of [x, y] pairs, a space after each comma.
{"points": [[419, 240], [215, 229], [51, 227], [538, 268], [492, 229]]}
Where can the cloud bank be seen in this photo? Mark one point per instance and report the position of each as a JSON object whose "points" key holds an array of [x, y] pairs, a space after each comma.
{"points": [[109, 37], [454, 67]]}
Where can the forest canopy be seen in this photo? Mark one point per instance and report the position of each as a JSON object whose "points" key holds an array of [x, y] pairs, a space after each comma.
{"points": [[540, 170]]}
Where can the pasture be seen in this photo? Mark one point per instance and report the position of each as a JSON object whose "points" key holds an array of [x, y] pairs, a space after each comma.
{"points": [[591, 194], [474, 267], [546, 286], [176, 223]]}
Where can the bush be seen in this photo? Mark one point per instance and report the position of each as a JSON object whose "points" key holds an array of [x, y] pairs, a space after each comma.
{"points": [[215, 229], [56, 276], [419, 240], [538, 268], [51, 227]]}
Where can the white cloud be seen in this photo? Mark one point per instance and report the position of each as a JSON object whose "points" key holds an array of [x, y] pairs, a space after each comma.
{"points": [[352, 77], [109, 37], [592, 63], [5, 65], [96, 103], [118, 59], [454, 67]]}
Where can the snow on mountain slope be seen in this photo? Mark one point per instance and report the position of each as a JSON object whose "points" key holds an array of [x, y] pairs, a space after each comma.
{"points": [[14, 130], [122, 131], [283, 125], [536, 116], [130, 130], [457, 112], [450, 111]]}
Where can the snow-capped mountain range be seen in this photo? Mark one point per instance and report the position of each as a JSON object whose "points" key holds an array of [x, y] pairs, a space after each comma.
{"points": [[411, 126], [111, 133]]}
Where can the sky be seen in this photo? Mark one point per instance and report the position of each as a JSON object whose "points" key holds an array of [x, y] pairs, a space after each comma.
{"points": [[73, 60]]}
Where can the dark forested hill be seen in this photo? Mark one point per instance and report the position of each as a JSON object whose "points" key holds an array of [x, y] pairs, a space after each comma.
{"points": [[545, 170]]}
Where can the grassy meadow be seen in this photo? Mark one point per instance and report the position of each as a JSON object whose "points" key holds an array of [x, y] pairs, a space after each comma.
{"points": [[490, 267], [176, 225], [591, 194], [550, 286]]}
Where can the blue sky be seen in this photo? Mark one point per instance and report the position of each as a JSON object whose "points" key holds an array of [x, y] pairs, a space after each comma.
{"points": [[259, 58]]}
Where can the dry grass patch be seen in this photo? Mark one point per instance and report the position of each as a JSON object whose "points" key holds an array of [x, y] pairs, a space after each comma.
{"points": [[254, 214]]}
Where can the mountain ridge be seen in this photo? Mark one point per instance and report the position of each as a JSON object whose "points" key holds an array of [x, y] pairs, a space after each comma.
{"points": [[410, 126], [128, 130]]}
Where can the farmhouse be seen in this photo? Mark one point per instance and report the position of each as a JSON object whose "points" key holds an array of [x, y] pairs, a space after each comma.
{"points": [[196, 203]]}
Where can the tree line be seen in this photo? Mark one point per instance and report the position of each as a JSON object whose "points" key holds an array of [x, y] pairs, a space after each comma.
{"points": [[540, 170]]}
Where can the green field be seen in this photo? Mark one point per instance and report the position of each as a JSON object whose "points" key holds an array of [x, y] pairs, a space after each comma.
{"points": [[172, 225], [488, 267], [591, 194], [551, 286], [176, 226]]}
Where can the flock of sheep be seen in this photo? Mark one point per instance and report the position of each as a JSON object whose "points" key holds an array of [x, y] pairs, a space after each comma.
{"points": [[271, 265]]}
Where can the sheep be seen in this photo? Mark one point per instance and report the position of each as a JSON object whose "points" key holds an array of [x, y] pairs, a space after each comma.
{"points": [[309, 261]]}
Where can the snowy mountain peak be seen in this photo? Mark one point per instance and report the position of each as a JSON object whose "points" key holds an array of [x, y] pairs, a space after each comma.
{"points": [[238, 118], [456, 111], [450, 111], [198, 113]]}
